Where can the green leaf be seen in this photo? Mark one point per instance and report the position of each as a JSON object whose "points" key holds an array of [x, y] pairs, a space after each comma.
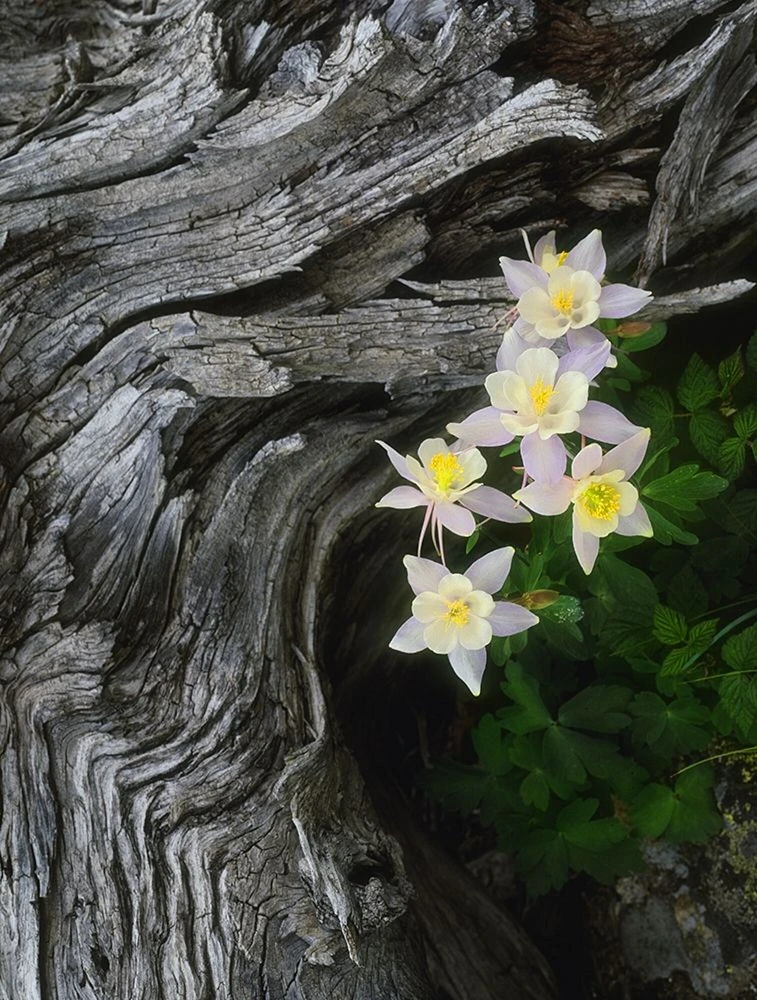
{"points": [[654, 407], [543, 862], [670, 728], [598, 708], [457, 787], [650, 338], [666, 531], [488, 744], [675, 662], [684, 486], [652, 810], [738, 513], [732, 457], [731, 370], [529, 712], [534, 790], [472, 541], [740, 650], [576, 814], [708, 430], [624, 584], [564, 637], [695, 817], [565, 609], [669, 626], [510, 449], [698, 385], [745, 421], [607, 865], [560, 756], [701, 635], [525, 752]]}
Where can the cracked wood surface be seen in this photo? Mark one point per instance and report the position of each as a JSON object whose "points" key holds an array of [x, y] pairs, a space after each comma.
{"points": [[239, 242]]}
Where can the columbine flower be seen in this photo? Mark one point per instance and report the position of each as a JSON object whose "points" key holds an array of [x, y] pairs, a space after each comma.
{"points": [[540, 396], [561, 292], [443, 479], [455, 613], [603, 501]]}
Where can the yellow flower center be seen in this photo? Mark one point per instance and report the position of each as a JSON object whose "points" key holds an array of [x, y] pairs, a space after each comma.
{"points": [[445, 469], [562, 300], [561, 257], [600, 500], [458, 614], [540, 396], [552, 259]]}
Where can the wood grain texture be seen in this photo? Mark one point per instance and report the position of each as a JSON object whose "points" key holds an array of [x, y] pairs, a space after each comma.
{"points": [[238, 243]]}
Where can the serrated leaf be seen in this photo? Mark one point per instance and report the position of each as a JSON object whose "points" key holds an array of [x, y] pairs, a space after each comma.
{"points": [[684, 486], [732, 457], [669, 626], [654, 407], [598, 708], [652, 810], [740, 650], [701, 635], [738, 513], [708, 429], [745, 421], [529, 713], [731, 370], [675, 662], [698, 385]]}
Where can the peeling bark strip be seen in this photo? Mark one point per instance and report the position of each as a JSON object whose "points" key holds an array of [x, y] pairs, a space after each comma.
{"points": [[206, 318]]}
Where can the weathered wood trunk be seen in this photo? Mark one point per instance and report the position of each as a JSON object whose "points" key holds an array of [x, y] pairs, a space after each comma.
{"points": [[207, 211]]}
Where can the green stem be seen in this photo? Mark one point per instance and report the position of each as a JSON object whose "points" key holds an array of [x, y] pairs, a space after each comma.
{"points": [[718, 636], [725, 607], [717, 756], [716, 677]]}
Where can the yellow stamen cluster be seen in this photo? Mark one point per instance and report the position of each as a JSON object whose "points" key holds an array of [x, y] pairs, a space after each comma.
{"points": [[562, 300], [445, 469], [600, 500], [540, 396], [561, 257], [458, 614]]}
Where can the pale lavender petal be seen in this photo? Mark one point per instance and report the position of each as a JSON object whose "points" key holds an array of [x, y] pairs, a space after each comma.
{"points": [[543, 460], [547, 498], [590, 361], [490, 571], [586, 546], [616, 301], [589, 255], [604, 423], [588, 336], [586, 461], [543, 243], [409, 637], [521, 275], [457, 519], [402, 497], [510, 350], [527, 331], [628, 455], [397, 461], [424, 574], [508, 618], [493, 503], [635, 523], [469, 665], [482, 428]]}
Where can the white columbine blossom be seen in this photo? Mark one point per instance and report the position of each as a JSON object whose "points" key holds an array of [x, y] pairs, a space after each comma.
{"points": [[444, 483], [603, 500], [455, 613], [560, 292]]}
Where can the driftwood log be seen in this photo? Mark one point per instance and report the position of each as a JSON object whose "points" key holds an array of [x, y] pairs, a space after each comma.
{"points": [[240, 240]]}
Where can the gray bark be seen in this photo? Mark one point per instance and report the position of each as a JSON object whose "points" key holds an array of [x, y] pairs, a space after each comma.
{"points": [[207, 209]]}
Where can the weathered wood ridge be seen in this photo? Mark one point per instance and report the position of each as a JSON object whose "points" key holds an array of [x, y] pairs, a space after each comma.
{"points": [[206, 211]]}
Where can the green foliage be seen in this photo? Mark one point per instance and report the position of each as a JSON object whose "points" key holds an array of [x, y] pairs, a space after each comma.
{"points": [[633, 671]]}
